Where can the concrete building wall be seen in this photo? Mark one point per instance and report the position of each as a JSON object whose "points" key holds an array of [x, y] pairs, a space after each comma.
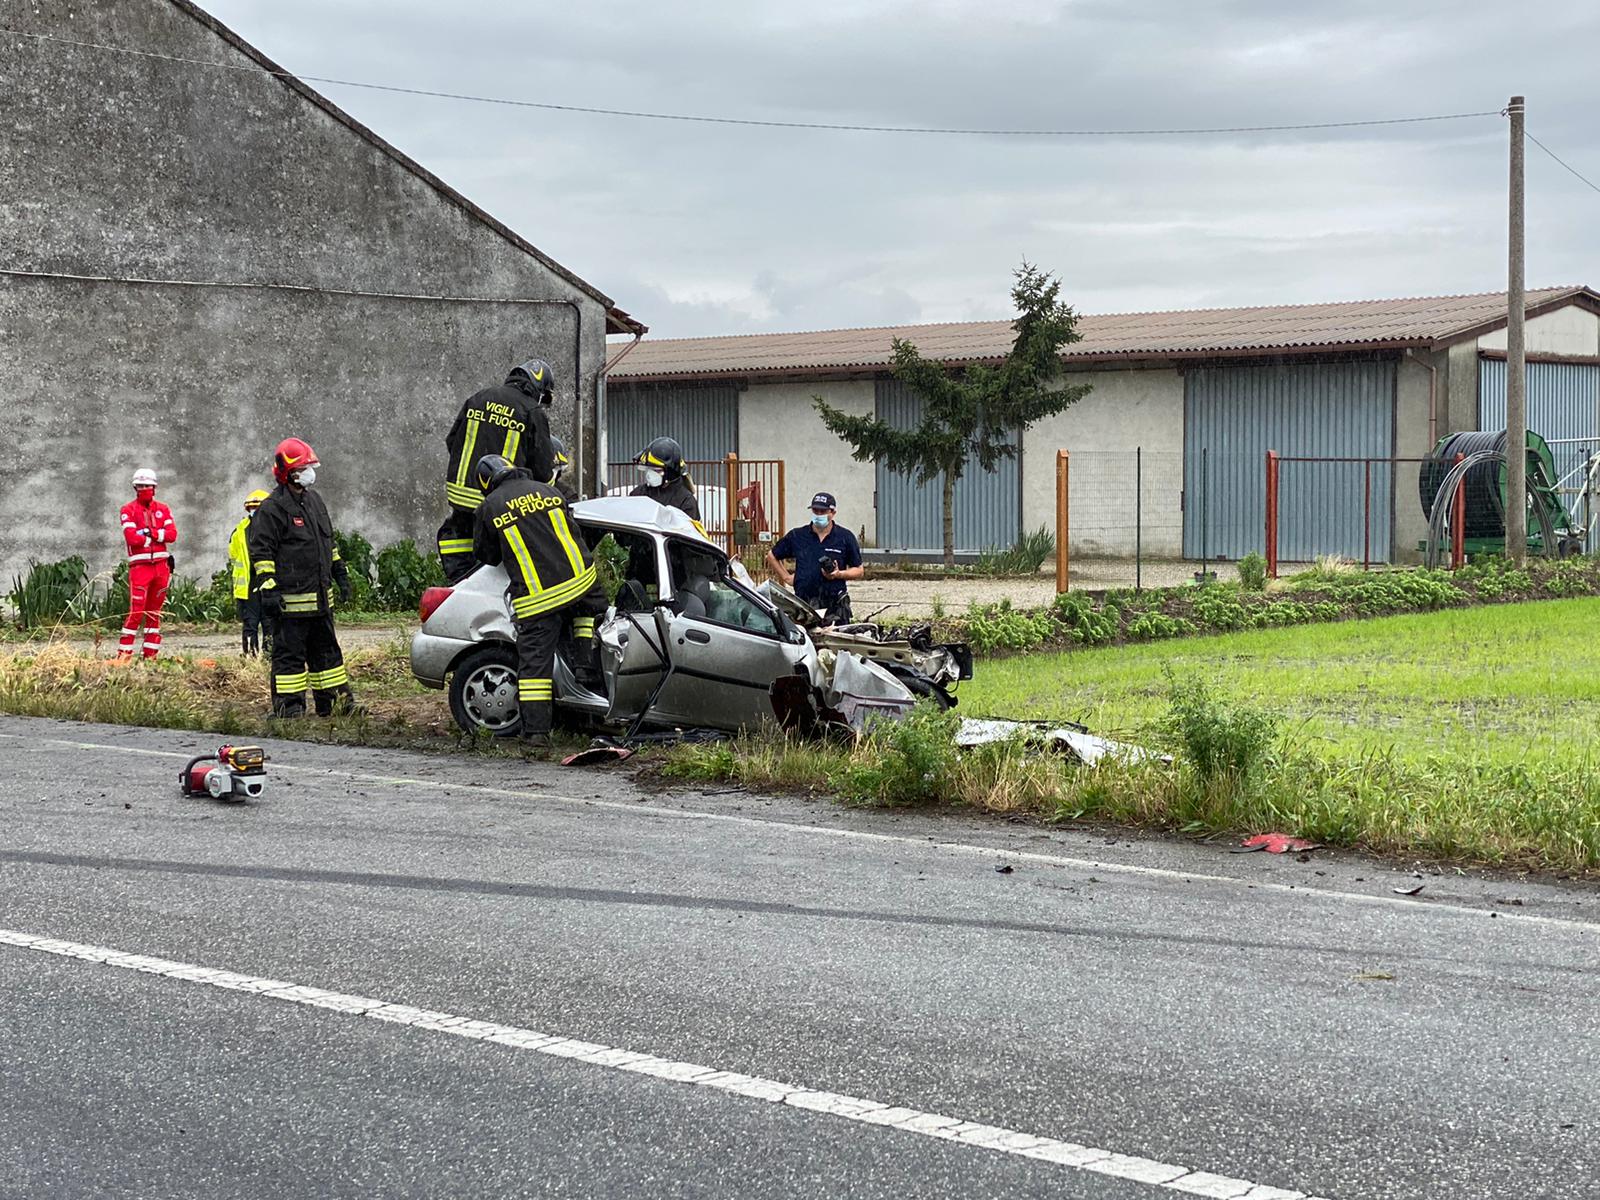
{"points": [[777, 420], [1459, 388], [1127, 410], [1569, 330], [1412, 386], [118, 168]]}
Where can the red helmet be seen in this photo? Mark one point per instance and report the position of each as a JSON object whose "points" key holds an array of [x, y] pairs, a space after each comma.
{"points": [[292, 455]]}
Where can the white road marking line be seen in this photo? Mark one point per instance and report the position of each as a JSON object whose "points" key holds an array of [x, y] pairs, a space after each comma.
{"points": [[966, 848], [849, 1108]]}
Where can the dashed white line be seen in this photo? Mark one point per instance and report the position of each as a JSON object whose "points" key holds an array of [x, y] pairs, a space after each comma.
{"points": [[862, 835], [993, 1138]]}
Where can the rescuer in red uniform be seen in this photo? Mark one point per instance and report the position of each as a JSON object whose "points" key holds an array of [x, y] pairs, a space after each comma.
{"points": [[148, 529]]}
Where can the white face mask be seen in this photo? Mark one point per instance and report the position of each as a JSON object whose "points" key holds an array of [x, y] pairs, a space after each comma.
{"points": [[305, 477], [653, 477]]}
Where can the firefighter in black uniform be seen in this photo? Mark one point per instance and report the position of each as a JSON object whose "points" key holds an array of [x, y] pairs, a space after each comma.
{"points": [[524, 524], [509, 420], [297, 564], [665, 480]]}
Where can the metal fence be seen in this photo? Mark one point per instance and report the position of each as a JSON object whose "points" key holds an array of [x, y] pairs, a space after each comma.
{"points": [[748, 526], [1141, 518], [1122, 524], [1364, 509]]}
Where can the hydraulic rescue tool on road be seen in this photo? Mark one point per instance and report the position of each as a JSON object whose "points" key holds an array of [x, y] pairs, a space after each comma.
{"points": [[233, 773]]}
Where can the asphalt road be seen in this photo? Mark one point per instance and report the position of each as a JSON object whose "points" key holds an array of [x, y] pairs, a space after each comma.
{"points": [[1291, 1028]]}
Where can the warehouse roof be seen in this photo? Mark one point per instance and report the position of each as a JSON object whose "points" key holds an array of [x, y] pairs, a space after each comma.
{"points": [[1425, 322]]}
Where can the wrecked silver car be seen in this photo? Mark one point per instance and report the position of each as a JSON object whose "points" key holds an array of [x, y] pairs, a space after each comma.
{"points": [[688, 643]]}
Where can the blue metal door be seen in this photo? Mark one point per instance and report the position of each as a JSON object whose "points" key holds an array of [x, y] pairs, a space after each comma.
{"points": [[704, 418], [988, 504], [1234, 415]]}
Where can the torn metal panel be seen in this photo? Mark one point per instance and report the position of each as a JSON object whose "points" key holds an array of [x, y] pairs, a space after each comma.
{"points": [[1075, 740]]}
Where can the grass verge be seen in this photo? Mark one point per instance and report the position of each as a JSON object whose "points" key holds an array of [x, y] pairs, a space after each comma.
{"points": [[1464, 735], [228, 695]]}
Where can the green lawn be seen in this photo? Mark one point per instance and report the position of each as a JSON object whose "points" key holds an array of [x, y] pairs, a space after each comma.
{"points": [[1488, 684]]}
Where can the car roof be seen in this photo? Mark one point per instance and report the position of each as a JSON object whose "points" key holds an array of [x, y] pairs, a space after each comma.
{"points": [[639, 512]]}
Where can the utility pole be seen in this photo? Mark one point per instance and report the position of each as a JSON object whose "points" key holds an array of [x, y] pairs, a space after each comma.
{"points": [[1516, 358]]}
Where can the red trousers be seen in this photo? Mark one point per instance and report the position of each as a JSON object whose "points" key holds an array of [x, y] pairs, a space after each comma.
{"points": [[147, 592]]}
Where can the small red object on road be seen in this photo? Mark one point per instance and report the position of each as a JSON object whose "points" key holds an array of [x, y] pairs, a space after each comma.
{"points": [[1276, 843]]}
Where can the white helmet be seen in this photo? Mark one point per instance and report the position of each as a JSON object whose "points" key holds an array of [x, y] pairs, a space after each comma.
{"points": [[144, 477]]}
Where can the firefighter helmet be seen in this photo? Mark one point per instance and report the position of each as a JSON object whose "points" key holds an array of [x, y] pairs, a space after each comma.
{"points": [[536, 377], [254, 499], [558, 455], [144, 477], [665, 455], [492, 468], [292, 455]]}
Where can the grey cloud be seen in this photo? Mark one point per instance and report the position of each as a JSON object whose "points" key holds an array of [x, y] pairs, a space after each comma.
{"points": [[709, 229]]}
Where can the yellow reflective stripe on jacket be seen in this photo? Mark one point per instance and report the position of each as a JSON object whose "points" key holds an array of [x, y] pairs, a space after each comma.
{"points": [[239, 556], [455, 546], [331, 678], [266, 566], [462, 496], [558, 519], [530, 574], [562, 594], [513, 443], [300, 602], [290, 683], [468, 445]]}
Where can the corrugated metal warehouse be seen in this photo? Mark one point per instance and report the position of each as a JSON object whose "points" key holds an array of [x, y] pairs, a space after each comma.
{"points": [[1203, 395]]}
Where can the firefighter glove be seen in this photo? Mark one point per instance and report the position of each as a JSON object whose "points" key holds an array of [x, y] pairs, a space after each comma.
{"points": [[271, 605]]}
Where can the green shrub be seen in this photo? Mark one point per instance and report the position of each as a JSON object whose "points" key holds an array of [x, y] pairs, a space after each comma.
{"points": [[611, 566], [1153, 627], [1221, 741], [1084, 623], [1024, 557], [49, 592], [186, 601], [1002, 627], [1253, 572], [403, 574], [903, 762], [358, 557], [1218, 607]]}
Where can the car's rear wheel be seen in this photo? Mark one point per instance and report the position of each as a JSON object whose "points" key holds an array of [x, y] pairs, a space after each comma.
{"points": [[483, 692]]}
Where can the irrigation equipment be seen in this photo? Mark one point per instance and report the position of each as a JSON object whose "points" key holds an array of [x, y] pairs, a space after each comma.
{"points": [[1462, 487]]}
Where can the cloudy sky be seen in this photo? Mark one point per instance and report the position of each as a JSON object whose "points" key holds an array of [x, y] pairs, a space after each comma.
{"points": [[706, 229]]}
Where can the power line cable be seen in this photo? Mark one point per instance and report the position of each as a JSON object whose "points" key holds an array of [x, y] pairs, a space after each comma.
{"points": [[637, 114], [1587, 182]]}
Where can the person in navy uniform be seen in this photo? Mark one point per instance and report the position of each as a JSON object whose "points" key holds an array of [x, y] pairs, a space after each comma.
{"points": [[826, 557]]}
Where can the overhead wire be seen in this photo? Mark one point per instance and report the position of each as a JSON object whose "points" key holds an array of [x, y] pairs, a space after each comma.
{"points": [[1573, 170], [696, 118]]}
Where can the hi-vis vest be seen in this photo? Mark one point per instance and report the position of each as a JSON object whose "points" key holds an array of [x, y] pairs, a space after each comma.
{"points": [[524, 524], [239, 556]]}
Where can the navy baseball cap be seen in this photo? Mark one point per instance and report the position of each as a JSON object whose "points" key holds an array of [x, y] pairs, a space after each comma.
{"points": [[823, 500]]}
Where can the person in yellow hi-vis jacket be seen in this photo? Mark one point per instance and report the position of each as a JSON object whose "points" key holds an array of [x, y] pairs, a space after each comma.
{"points": [[245, 601]]}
